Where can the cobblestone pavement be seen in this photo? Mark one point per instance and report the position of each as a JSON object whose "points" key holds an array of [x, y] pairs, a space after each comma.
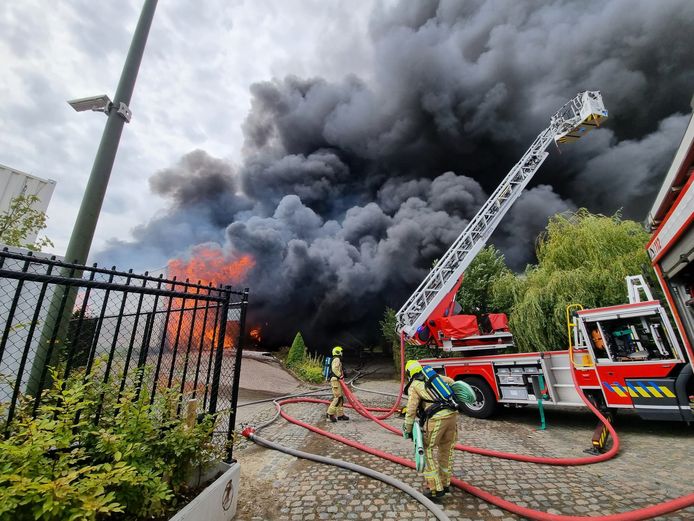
{"points": [[656, 463]]}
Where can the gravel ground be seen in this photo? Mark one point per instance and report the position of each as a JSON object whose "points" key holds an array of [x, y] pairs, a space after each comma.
{"points": [[655, 462]]}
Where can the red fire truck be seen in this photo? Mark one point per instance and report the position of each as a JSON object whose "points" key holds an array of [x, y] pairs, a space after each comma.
{"points": [[624, 356]]}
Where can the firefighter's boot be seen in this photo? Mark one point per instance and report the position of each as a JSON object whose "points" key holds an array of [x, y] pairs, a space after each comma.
{"points": [[343, 418], [434, 495]]}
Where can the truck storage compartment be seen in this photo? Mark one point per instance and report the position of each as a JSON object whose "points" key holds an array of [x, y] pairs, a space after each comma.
{"points": [[514, 393], [511, 379]]}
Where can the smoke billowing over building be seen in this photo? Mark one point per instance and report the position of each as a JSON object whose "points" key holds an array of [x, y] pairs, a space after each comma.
{"points": [[349, 190]]}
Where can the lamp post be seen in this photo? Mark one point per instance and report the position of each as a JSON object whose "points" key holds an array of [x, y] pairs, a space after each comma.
{"points": [[118, 113]]}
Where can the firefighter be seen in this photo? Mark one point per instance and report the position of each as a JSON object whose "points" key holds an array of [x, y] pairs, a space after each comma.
{"points": [[336, 411], [439, 424]]}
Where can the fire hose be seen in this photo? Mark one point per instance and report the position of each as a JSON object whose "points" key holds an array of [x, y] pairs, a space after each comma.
{"points": [[251, 434], [634, 515], [389, 480]]}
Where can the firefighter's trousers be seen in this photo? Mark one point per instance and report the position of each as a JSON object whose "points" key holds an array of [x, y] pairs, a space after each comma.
{"points": [[338, 399], [439, 441]]}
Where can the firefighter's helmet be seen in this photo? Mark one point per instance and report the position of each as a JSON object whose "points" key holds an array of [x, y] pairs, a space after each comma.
{"points": [[412, 367], [337, 351]]}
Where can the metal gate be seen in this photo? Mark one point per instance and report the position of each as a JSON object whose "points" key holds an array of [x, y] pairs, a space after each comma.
{"points": [[147, 331]]}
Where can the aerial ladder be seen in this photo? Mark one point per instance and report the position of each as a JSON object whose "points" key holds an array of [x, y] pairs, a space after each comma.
{"points": [[428, 315]]}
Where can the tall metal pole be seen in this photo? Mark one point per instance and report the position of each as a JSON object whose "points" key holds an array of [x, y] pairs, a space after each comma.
{"points": [[88, 215], [83, 232]]}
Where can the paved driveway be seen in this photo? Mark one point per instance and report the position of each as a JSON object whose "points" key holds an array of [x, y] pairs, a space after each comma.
{"points": [[656, 463]]}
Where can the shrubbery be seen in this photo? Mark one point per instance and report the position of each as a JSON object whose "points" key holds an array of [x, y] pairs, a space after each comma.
{"points": [[60, 466], [307, 367], [297, 353]]}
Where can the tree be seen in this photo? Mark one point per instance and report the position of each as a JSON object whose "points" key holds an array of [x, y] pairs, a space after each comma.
{"points": [[474, 295], [582, 258], [21, 220], [297, 353]]}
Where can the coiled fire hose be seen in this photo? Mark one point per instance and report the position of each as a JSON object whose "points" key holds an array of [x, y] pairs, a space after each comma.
{"points": [[634, 515]]}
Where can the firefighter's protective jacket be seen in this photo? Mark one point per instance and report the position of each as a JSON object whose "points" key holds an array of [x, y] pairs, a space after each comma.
{"points": [[336, 368], [420, 399]]}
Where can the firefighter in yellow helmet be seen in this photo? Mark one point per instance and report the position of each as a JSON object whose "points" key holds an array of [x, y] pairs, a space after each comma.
{"points": [[440, 430], [336, 411]]}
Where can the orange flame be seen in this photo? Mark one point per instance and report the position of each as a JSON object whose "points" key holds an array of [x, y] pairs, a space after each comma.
{"points": [[193, 321], [254, 333]]}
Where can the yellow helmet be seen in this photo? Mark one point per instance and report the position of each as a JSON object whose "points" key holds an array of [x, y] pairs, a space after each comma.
{"points": [[412, 367], [337, 351]]}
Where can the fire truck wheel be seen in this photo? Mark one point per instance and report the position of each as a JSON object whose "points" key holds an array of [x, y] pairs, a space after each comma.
{"points": [[485, 405]]}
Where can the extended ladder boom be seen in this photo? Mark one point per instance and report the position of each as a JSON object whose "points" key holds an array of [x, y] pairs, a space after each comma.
{"points": [[577, 117]]}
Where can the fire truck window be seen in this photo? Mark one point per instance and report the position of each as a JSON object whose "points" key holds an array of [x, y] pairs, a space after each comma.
{"points": [[598, 342], [636, 339]]}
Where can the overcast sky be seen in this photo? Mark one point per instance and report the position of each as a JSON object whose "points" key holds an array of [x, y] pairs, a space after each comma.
{"points": [[192, 91]]}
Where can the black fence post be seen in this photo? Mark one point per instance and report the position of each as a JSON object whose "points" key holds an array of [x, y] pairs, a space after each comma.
{"points": [[237, 375], [209, 361], [53, 340]]}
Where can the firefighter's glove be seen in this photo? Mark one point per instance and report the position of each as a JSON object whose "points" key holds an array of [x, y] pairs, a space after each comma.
{"points": [[407, 434]]}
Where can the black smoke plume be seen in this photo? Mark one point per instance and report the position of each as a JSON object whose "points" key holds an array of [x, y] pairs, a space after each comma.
{"points": [[349, 190]]}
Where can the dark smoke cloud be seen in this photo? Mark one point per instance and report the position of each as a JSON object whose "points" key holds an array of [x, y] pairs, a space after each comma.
{"points": [[349, 190]]}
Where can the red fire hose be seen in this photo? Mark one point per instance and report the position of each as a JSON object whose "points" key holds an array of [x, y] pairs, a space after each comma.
{"points": [[634, 515]]}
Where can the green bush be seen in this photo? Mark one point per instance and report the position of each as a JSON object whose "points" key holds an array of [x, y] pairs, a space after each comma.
{"points": [[297, 353], [311, 369], [59, 466]]}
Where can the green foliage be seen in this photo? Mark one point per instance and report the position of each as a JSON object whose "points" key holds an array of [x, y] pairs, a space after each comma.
{"points": [[59, 466], [22, 220], [474, 295], [387, 324], [297, 353], [311, 369], [307, 367], [582, 258]]}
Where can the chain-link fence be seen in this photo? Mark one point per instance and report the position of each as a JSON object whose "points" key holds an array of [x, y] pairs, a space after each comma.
{"points": [[141, 331]]}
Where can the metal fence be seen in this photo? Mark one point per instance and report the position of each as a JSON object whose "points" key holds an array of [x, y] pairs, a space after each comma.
{"points": [[143, 331]]}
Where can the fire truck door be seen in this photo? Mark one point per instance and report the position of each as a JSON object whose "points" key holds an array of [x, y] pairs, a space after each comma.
{"points": [[625, 384]]}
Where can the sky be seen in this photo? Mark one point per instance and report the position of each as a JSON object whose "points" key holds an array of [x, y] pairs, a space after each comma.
{"points": [[340, 145], [192, 92]]}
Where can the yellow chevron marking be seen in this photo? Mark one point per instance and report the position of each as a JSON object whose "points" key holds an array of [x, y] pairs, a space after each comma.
{"points": [[632, 393], [618, 391], [654, 391], [667, 392], [642, 392]]}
